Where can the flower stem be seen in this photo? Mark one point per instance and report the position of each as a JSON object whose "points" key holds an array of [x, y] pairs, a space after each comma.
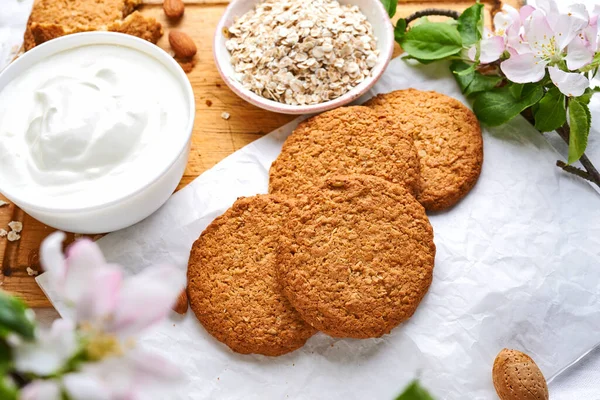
{"points": [[592, 173], [432, 11]]}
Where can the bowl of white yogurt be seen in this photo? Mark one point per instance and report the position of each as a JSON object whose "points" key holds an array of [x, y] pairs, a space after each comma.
{"points": [[95, 130]]}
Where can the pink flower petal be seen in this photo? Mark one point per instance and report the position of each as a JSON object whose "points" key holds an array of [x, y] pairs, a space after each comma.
{"points": [[525, 12], [49, 352], [83, 257], [570, 25], [515, 41], [491, 49], [82, 386], [524, 68], [539, 35], [579, 54], [100, 299], [52, 259], [570, 84], [472, 53], [504, 19], [41, 390], [146, 299], [153, 368], [549, 8]]}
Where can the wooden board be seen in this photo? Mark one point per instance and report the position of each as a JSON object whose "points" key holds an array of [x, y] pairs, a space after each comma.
{"points": [[214, 138]]}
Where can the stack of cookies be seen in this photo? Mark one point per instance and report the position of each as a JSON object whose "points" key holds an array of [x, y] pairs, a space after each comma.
{"points": [[342, 243]]}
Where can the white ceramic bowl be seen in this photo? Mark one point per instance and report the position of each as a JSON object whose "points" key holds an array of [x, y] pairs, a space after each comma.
{"points": [[382, 29], [125, 209]]}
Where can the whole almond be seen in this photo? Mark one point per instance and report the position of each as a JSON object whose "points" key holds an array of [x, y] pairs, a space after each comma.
{"points": [[517, 377], [181, 306], [173, 8], [182, 44]]}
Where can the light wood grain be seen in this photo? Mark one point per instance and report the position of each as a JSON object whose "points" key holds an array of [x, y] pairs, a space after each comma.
{"points": [[214, 138]]}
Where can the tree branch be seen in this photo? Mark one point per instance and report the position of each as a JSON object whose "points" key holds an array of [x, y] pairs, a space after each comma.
{"points": [[574, 170], [593, 175]]}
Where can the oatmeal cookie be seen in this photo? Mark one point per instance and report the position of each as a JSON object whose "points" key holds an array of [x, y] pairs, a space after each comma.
{"points": [[448, 139], [50, 19], [357, 256], [347, 140], [232, 283], [137, 25]]}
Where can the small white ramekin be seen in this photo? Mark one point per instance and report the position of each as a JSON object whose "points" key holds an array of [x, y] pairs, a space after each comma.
{"points": [[382, 29], [125, 209]]}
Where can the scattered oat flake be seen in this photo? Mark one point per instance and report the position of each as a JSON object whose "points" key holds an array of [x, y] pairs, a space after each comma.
{"points": [[3, 233], [3, 203], [13, 236], [31, 271], [225, 115], [15, 226]]}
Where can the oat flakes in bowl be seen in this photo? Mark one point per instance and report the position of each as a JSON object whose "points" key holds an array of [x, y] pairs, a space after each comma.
{"points": [[302, 57]]}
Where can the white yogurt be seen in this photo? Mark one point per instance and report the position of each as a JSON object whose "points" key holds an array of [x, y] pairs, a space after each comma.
{"points": [[89, 125]]}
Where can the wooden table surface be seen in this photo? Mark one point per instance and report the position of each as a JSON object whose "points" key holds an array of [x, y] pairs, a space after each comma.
{"points": [[214, 137]]}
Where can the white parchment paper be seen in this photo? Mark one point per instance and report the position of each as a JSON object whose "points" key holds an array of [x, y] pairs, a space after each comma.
{"points": [[517, 265], [13, 17]]}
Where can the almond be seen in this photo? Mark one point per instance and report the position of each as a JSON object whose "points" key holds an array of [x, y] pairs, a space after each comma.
{"points": [[517, 377], [182, 44], [173, 8], [181, 305]]}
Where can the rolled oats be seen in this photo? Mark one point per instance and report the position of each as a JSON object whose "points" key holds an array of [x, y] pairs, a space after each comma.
{"points": [[13, 236], [16, 226], [302, 52]]}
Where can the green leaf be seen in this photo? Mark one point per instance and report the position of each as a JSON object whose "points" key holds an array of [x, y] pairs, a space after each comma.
{"points": [[8, 390], [551, 112], [414, 391], [580, 121], [13, 317], [432, 41], [470, 25], [499, 106], [390, 7], [470, 81], [516, 89], [419, 60], [586, 97], [5, 357], [400, 30]]}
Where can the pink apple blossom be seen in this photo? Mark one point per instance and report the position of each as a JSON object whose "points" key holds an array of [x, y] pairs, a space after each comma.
{"points": [[108, 309], [545, 39], [99, 294]]}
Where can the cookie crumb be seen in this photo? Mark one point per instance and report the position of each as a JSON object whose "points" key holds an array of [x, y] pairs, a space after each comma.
{"points": [[31, 271], [13, 236], [3, 203], [225, 115], [15, 226], [187, 64], [208, 103], [3, 233]]}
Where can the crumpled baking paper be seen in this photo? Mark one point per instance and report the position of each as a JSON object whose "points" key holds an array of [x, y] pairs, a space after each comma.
{"points": [[13, 17], [517, 265]]}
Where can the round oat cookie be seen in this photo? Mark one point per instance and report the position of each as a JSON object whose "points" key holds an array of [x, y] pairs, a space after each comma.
{"points": [[357, 257], [448, 139], [347, 140], [232, 284]]}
